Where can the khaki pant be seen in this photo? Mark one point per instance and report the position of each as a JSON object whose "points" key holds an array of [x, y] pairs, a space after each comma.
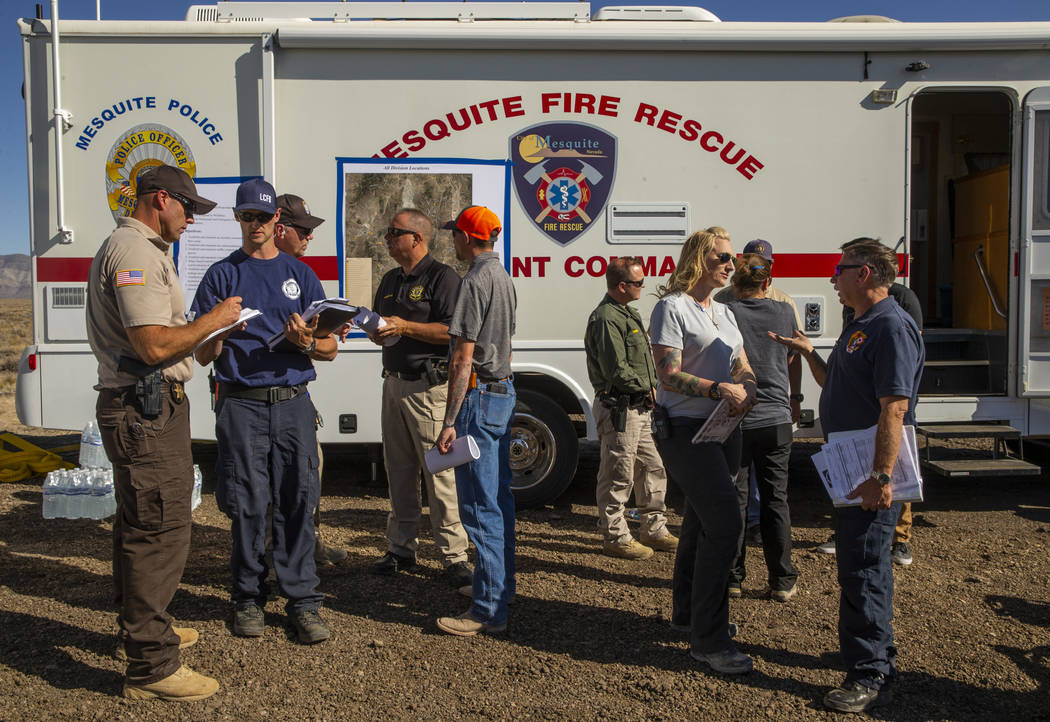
{"points": [[902, 534], [629, 459], [411, 419]]}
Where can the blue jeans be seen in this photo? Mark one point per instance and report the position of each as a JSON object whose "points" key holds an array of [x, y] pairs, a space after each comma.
{"points": [[862, 547], [486, 503]]}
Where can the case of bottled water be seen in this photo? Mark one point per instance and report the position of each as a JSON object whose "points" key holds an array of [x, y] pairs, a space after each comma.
{"points": [[87, 493], [92, 453]]}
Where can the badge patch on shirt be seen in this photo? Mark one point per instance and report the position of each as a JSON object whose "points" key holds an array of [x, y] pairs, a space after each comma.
{"points": [[290, 289], [131, 277], [416, 293], [856, 341]]}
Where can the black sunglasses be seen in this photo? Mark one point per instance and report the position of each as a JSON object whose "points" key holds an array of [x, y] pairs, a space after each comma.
{"points": [[724, 257], [395, 232], [253, 216], [639, 284], [301, 230], [188, 206], [840, 267]]}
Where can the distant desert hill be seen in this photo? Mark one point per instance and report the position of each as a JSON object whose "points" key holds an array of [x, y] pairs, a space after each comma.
{"points": [[15, 276]]}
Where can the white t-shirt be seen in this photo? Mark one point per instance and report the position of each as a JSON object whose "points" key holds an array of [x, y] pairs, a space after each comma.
{"points": [[710, 343]]}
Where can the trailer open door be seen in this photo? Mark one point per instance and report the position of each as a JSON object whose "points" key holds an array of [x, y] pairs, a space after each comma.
{"points": [[1034, 261]]}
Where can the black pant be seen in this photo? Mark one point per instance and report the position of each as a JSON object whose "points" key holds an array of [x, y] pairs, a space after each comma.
{"points": [[153, 482], [769, 449], [710, 529]]}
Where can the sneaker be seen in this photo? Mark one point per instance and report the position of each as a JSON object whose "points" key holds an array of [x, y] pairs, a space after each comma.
{"points": [[753, 536], [782, 595], [631, 550], [827, 547], [326, 555], [855, 697], [248, 620], [391, 563], [728, 661], [308, 626], [664, 543], [187, 638], [900, 553], [184, 685], [735, 590], [466, 626], [459, 574]]}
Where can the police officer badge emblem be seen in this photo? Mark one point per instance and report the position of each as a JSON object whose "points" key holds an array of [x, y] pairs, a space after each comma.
{"points": [[856, 341], [416, 293], [563, 174], [290, 289]]}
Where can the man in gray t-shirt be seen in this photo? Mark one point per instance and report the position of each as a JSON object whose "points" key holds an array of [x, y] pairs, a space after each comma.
{"points": [[480, 404]]}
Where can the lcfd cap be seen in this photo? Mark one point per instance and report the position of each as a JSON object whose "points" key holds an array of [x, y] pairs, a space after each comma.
{"points": [[256, 195], [294, 212], [476, 221], [173, 180], [760, 248]]}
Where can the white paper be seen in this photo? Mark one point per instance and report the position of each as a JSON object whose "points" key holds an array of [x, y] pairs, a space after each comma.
{"points": [[719, 425], [246, 313], [210, 237], [371, 322], [464, 450], [846, 461], [312, 310]]}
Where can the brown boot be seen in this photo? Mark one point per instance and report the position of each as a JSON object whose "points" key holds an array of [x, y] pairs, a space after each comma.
{"points": [[187, 638], [631, 550], [665, 543], [324, 554], [184, 685]]}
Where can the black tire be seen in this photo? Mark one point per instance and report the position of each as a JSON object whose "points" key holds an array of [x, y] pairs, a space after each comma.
{"points": [[544, 450]]}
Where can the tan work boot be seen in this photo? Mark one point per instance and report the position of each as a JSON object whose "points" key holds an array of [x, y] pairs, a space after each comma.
{"points": [[665, 543], [184, 685], [187, 638], [631, 550], [324, 554], [466, 626]]}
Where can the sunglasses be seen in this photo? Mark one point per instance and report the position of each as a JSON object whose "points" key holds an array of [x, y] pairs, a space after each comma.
{"points": [[303, 232], [637, 284], [395, 232], [724, 257], [253, 216], [188, 206], [840, 267]]}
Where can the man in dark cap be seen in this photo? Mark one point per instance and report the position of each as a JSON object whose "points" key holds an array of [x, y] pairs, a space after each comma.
{"points": [[136, 323]]}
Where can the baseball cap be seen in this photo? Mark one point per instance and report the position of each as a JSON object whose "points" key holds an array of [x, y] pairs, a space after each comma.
{"points": [[173, 180], [255, 195], [760, 248], [476, 221], [294, 212]]}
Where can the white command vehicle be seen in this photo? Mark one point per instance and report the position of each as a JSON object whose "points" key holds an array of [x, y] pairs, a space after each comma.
{"points": [[592, 136]]}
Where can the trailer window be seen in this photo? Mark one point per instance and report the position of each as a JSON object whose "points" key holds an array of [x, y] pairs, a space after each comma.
{"points": [[1041, 172], [68, 297]]}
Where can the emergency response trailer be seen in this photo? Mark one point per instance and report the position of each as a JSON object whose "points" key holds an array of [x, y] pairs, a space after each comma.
{"points": [[592, 137]]}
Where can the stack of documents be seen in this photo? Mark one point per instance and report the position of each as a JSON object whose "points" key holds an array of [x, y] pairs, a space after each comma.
{"points": [[246, 313], [846, 461], [332, 313], [719, 426]]}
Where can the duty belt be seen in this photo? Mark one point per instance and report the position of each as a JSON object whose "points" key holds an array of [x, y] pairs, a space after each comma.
{"points": [[269, 394], [403, 375], [479, 382]]}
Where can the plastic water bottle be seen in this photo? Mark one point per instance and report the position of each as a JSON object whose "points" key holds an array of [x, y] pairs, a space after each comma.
{"points": [[92, 453], [79, 494], [60, 490], [101, 496], [109, 499], [198, 479], [52, 492]]}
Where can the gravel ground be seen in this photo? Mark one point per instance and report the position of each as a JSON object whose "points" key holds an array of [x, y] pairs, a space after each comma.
{"points": [[588, 635]]}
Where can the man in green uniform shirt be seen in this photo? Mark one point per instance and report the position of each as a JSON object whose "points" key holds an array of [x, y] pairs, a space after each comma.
{"points": [[620, 366]]}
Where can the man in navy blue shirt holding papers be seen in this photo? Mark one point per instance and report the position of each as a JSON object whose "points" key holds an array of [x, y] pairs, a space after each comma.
{"points": [[871, 378], [264, 418]]}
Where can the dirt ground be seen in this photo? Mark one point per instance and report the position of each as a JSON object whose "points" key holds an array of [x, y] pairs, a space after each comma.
{"points": [[588, 635]]}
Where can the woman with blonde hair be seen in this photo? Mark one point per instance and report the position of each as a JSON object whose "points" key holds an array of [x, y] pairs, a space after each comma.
{"points": [[700, 360]]}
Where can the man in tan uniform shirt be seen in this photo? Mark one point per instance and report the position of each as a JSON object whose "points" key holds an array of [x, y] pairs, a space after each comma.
{"points": [[136, 320]]}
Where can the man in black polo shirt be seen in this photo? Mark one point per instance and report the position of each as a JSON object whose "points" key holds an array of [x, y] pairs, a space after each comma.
{"points": [[416, 300]]}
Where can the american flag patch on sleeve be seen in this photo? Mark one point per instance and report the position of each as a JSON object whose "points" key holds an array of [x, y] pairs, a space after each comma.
{"points": [[131, 277]]}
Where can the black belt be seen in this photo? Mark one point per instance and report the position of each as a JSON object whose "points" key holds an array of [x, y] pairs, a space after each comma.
{"points": [[403, 375], [269, 394]]}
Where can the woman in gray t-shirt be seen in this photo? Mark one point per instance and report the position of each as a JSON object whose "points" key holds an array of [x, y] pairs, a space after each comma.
{"points": [[767, 430], [700, 359]]}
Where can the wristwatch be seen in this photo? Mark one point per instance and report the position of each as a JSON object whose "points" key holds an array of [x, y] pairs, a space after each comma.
{"points": [[798, 397], [883, 479], [713, 393], [309, 349]]}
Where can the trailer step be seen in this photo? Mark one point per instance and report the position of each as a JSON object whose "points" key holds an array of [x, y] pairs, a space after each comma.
{"points": [[968, 431], [982, 467]]}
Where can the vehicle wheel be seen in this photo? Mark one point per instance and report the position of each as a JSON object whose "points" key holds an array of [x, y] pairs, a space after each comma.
{"points": [[543, 450]]}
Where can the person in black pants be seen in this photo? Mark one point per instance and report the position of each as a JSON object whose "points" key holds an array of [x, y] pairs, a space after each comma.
{"points": [[700, 360], [767, 428]]}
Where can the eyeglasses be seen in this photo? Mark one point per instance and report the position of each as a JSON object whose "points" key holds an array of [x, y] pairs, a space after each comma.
{"points": [[840, 267], [188, 206], [395, 232], [724, 257], [637, 284], [252, 217], [302, 231]]}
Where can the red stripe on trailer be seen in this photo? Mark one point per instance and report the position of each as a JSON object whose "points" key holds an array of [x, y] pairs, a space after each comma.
{"points": [[326, 267], [62, 270], [816, 265]]}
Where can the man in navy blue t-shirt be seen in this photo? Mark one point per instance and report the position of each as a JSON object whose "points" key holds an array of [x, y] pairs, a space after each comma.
{"points": [[264, 418]]}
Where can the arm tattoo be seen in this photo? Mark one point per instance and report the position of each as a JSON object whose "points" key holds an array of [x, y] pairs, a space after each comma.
{"points": [[458, 381], [669, 369]]}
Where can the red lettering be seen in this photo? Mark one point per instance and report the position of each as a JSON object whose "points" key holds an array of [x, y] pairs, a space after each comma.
{"points": [[667, 267], [541, 262], [645, 113], [691, 130], [725, 153], [668, 121], [393, 150], [476, 115], [413, 140], [512, 107], [708, 135], [463, 116], [549, 100], [521, 267], [649, 265], [584, 101], [572, 264], [490, 106], [749, 167], [609, 106], [596, 266]]}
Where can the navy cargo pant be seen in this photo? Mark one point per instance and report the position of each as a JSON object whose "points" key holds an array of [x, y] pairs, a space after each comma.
{"points": [[268, 455]]}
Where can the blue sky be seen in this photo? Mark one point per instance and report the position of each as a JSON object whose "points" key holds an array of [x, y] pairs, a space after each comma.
{"points": [[14, 208]]}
